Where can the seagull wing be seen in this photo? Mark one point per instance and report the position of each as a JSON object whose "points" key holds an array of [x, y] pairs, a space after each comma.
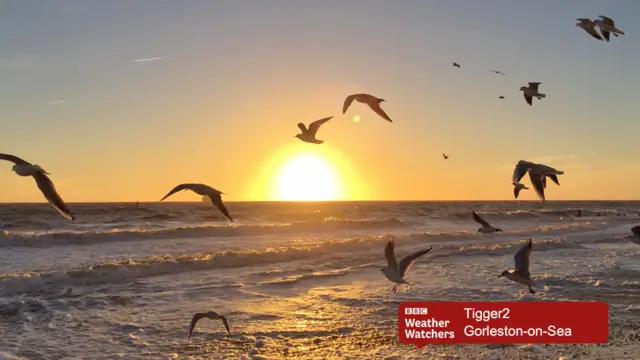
{"points": [[592, 31], [226, 324], [216, 200], [14, 159], [537, 181], [521, 168], [302, 128], [407, 261], [607, 20], [314, 126], [178, 188], [376, 107], [534, 86], [554, 178], [605, 34], [522, 259], [194, 321], [49, 191], [390, 254], [528, 99], [480, 220], [347, 102]]}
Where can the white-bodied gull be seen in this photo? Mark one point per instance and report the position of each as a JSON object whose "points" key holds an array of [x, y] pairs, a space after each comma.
{"points": [[394, 271], [538, 174], [522, 272], [372, 101], [204, 190], [210, 315], [486, 227], [309, 135], [24, 168]]}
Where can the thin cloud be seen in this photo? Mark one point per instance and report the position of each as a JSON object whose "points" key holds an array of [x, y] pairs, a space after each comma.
{"points": [[55, 102], [150, 59]]}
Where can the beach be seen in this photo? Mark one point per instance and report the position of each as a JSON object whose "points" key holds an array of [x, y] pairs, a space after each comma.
{"points": [[298, 279]]}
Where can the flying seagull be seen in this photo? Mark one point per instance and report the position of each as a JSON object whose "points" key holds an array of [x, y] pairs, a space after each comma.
{"points": [[517, 187], [210, 315], [445, 156], [372, 101], [590, 27], [486, 227], [500, 97], [522, 272], [538, 174], [635, 238], [457, 65], [204, 190], [309, 135], [394, 271], [497, 72], [607, 26], [531, 91], [45, 184]]}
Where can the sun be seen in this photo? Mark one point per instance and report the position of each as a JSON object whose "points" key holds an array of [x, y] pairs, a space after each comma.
{"points": [[308, 177]]}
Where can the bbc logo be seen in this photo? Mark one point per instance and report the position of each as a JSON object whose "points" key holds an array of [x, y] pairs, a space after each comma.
{"points": [[415, 311]]}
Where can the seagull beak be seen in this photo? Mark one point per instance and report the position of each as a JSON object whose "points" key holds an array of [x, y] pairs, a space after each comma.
{"points": [[499, 276]]}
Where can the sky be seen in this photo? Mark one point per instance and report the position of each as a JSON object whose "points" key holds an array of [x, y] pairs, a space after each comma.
{"points": [[231, 79]]}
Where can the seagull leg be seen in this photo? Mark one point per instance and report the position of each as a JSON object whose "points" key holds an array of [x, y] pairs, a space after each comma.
{"points": [[395, 287], [531, 290]]}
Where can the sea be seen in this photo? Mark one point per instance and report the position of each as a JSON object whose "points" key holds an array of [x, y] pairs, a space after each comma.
{"points": [[298, 280]]}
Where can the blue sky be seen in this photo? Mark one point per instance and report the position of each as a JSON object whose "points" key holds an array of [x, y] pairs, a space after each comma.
{"points": [[240, 74]]}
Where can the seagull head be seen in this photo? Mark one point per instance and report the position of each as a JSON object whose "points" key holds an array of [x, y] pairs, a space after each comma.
{"points": [[13, 168], [498, 229], [523, 88], [380, 100], [504, 273]]}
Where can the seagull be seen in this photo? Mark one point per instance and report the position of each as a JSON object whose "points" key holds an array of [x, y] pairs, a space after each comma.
{"points": [[522, 273], [500, 97], [635, 238], [607, 26], [309, 135], [531, 91], [538, 174], [497, 72], [24, 168], [372, 101], [204, 190], [486, 227], [394, 271], [456, 65], [589, 26], [211, 315], [517, 187], [445, 156]]}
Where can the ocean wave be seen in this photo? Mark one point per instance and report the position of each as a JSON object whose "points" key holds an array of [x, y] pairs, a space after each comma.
{"points": [[61, 237], [362, 251]]}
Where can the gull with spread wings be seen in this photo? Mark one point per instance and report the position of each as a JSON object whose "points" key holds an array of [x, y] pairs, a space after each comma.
{"points": [[486, 227], [607, 26], [522, 272], [372, 101], [210, 315], [532, 91], [309, 135], [396, 271], [204, 190], [497, 72], [445, 156], [589, 26], [538, 174], [24, 168]]}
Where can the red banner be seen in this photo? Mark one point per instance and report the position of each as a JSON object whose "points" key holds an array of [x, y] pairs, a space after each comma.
{"points": [[422, 323]]}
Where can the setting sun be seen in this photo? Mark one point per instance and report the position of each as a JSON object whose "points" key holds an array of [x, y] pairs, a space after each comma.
{"points": [[308, 177]]}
